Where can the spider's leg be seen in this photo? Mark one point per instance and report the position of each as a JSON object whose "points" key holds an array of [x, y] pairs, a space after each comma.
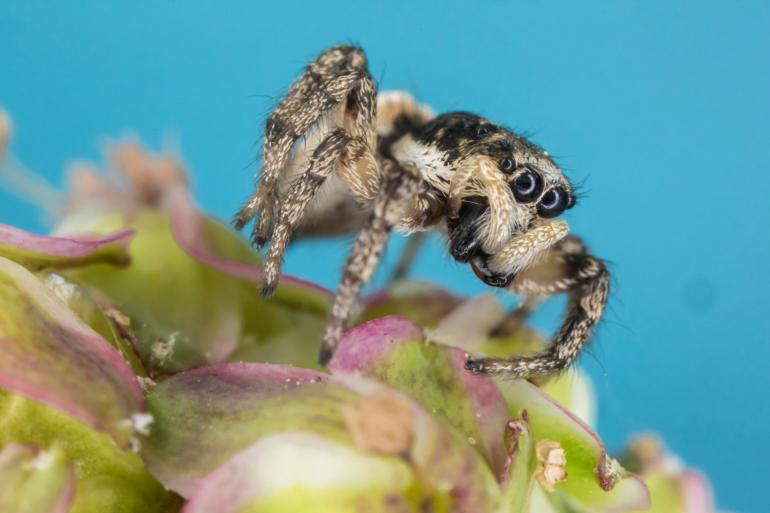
{"points": [[320, 165], [326, 83], [396, 196], [347, 198], [347, 149], [570, 268]]}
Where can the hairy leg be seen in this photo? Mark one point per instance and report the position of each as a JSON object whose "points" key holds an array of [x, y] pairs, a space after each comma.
{"points": [[322, 162], [392, 204], [569, 268], [325, 84], [347, 149]]}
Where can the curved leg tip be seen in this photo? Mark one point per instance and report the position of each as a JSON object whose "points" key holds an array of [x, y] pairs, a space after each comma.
{"points": [[268, 290], [325, 355], [258, 241], [476, 365]]}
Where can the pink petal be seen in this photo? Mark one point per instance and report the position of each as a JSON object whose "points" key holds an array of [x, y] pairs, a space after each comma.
{"points": [[698, 497], [39, 251]]}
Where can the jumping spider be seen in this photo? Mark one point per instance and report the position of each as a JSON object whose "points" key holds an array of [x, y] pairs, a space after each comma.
{"points": [[338, 157]]}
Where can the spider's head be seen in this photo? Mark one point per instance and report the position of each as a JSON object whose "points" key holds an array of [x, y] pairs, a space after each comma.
{"points": [[514, 187]]}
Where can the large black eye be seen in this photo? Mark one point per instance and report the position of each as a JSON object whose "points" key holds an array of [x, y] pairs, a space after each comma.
{"points": [[553, 202], [506, 165], [527, 186]]}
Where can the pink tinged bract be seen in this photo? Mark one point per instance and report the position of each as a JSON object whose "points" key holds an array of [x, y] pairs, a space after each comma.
{"points": [[39, 251], [188, 227], [393, 350], [50, 355], [443, 458], [204, 416]]}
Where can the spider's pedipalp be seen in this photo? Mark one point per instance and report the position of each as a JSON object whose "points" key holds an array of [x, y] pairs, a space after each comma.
{"points": [[569, 268], [524, 249]]}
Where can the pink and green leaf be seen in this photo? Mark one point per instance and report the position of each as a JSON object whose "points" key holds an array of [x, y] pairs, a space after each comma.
{"points": [[52, 356], [39, 251], [107, 477], [94, 313], [393, 350], [453, 474], [205, 416]]}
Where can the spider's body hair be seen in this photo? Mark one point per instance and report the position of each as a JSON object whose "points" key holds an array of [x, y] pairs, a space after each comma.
{"points": [[341, 158]]}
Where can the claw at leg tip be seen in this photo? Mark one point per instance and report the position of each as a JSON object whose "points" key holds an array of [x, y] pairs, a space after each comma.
{"points": [[268, 290], [324, 356], [475, 365]]}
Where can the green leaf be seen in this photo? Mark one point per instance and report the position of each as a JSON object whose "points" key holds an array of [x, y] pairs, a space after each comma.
{"points": [[33, 481], [595, 482], [520, 465], [108, 478]]}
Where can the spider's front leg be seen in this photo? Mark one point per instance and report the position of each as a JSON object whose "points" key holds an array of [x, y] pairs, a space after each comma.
{"points": [[567, 267], [396, 199]]}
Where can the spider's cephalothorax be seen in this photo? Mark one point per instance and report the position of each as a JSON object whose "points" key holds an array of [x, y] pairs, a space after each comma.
{"points": [[340, 158]]}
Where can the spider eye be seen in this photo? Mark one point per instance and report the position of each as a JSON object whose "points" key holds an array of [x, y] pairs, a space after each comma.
{"points": [[527, 186], [482, 130], [506, 165], [553, 202]]}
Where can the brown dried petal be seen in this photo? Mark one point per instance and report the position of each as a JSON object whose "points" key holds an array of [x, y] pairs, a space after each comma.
{"points": [[552, 460], [381, 423], [148, 176]]}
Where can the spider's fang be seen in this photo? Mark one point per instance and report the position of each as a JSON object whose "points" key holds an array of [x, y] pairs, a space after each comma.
{"points": [[483, 273]]}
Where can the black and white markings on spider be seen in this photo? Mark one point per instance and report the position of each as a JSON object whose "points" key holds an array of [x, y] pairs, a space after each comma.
{"points": [[338, 158]]}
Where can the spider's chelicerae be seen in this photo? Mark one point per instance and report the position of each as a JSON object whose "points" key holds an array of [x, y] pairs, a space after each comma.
{"points": [[338, 157]]}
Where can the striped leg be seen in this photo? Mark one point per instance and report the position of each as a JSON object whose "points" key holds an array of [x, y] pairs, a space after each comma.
{"points": [[569, 268]]}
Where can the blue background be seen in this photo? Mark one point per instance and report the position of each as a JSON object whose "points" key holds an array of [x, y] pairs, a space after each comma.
{"points": [[662, 107]]}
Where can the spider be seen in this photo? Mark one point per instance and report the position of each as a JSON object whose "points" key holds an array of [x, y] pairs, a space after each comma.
{"points": [[339, 157]]}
